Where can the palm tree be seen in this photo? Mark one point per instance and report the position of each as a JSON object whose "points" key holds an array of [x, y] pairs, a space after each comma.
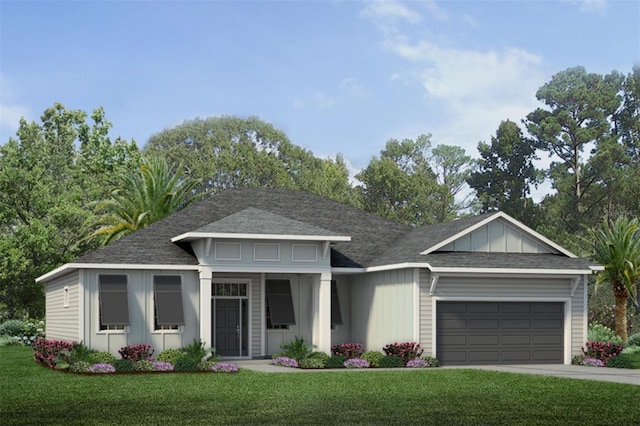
{"points": [[143, 196], [617, 248]]}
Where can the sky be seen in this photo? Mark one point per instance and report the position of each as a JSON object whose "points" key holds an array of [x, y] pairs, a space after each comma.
{"points": [[335, 76]]}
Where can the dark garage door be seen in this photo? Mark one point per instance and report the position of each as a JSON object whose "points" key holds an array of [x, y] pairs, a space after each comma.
{"points": [[499, 333]]}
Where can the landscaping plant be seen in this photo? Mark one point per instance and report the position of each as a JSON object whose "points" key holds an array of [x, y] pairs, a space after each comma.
{"points": [[373, 358], [602, 351], [285, 361], [391, 361], [350, 350], [139, 352], [356, 363], [405, 351], [336, 361], [601, 333]]}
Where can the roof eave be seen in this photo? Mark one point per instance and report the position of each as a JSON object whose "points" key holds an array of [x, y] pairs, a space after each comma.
{"points": [[190, 236]]}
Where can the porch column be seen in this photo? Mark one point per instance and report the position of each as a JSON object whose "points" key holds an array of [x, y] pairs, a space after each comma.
{"points": [[321, 338], [206, 274]]}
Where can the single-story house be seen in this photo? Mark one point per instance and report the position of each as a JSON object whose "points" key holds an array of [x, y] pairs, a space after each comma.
{"points": [[246, 270]]}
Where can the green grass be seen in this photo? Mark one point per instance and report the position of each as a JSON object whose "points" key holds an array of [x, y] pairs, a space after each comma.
{"points": [[32, 394]]}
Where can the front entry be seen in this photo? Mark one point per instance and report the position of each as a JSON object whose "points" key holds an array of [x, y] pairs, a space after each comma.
{"points": [[230, 327]]}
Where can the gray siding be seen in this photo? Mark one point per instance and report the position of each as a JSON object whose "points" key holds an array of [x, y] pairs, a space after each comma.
{"points": [[382, 308], [141, 312], [502, 288], [342, 333], [498, 236], [63, 323]]}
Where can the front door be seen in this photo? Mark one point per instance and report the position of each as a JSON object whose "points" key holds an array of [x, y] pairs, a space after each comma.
{"points": [[230, 327]]}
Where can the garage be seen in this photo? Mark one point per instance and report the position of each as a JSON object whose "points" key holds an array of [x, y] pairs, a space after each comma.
{"points": [[477, 333]]}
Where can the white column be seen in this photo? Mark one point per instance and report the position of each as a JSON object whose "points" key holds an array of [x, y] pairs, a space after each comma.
{"points": [[206, 275], [321, 314]]}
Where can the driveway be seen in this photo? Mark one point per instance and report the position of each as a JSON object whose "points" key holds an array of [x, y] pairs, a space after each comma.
{"points": [[616, 375]]}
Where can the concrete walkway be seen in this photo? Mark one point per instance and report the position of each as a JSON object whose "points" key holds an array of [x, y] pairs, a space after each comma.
{"points": [[616, 375]]}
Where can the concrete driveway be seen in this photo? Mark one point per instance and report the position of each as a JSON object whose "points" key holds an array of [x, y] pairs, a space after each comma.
{"points": [[616, 375]]}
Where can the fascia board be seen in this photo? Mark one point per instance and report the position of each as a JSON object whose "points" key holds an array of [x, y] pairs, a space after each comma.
{"points": [[220, 235]]}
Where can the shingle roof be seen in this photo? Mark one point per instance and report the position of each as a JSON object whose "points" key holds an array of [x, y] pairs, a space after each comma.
{"points": [[375, 241]]}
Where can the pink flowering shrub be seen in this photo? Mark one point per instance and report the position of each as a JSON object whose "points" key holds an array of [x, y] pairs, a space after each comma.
{"points": [[405, 351], [601, 350], [102, 368], [134, 353], [356, 363], [592, 362], [350, 350], [48, 352], [224, 367], [284, 361]]}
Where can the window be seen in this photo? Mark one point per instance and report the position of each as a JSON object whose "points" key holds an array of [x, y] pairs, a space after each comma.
{"points": [[167, 291], [279, 305], [336, 315], [114, 303]]}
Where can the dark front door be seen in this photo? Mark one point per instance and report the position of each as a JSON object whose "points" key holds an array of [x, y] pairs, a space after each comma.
{"points": [[500, 333], [227, 327]]}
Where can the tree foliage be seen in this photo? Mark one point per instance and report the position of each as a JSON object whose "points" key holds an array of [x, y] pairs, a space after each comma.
{"points": [[47, 175], [227, 152], [142, 196]]}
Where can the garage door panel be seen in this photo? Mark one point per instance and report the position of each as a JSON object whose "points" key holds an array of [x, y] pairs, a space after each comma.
{"points": [[513, 323], [499, 333]]}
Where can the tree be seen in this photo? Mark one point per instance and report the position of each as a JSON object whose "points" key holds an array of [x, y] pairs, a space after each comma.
{"points": [[43, 190], [579, 106], [400, 185], [617, 248], [452, 168], [143, 196], [227, 152], [505, 173]]}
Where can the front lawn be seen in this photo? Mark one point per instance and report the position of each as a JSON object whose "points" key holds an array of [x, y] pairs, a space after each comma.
{"points": [[32, 394]]}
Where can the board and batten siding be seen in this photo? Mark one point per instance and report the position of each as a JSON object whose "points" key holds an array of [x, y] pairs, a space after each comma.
{"points": [[383, 308], [503, 289], [63, 322], [498, 237], [141, 312]]}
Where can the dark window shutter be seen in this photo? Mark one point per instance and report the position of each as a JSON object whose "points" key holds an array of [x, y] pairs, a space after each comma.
{"points": [[168, 299], [280, 302], [114, 303], [336, 314]]}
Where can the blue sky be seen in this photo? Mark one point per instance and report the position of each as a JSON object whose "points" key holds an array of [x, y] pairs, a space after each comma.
{"points": [[335, 76]]}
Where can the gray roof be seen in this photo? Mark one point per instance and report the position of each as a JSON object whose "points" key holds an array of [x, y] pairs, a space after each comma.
{"points": [[256, 221], [374, 241]]}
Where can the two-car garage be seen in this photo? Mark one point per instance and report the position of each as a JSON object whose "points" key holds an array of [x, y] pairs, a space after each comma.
{"points": [[486, 332]]}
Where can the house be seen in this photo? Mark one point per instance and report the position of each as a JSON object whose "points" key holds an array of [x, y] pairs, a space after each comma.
{"points": [[246, 270]]}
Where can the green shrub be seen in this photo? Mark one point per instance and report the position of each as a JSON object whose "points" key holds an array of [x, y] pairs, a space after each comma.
{"points": [[373, 358], [577, 360], [296, 349], [12, 327], [310, 363], [601, 333], [101, 358], [619, 361], [631, 350], [142, 365], [336, 361], [206, 364], [634, 340], [123, 365], [80, 367], [170, 355], [196, 350], [431, 361], [391, 361], [186, 363], [406, 351], [80, 353]]}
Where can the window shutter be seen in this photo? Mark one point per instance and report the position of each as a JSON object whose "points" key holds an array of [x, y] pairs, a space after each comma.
{"points": [[114, 303], [168, 299], [280, 302]]}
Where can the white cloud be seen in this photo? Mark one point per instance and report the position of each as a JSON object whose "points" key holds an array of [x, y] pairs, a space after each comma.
{"points": [[592, 5], [391, 10], [436, 11]]}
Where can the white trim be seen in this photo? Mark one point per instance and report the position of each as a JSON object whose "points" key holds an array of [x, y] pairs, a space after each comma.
{"points": [[271, 268], [81, 308], [151, 310], [71, 266], [462, 271], [566, 315], [97, 304], [223, 235], [249, 283], [434, 284], [326, 248], [315, 247], [228, 244], [522, 227], [207, 250], [575, 282], [416, 305], [266, 259], [263, 321]]}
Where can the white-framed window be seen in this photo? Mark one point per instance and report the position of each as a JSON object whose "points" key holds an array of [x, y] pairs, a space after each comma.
{"points": [[113, 302], [279, 305], [65, 296], [168, 312]]}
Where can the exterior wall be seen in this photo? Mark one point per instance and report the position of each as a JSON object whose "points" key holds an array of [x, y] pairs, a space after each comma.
{"points": [[497, 236], [505, 289], [141, 312], [382, 308], [63, 321], [342, 333]]}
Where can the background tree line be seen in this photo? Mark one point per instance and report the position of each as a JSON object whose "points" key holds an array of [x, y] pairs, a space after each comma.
{"points": [[66, 186]]}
